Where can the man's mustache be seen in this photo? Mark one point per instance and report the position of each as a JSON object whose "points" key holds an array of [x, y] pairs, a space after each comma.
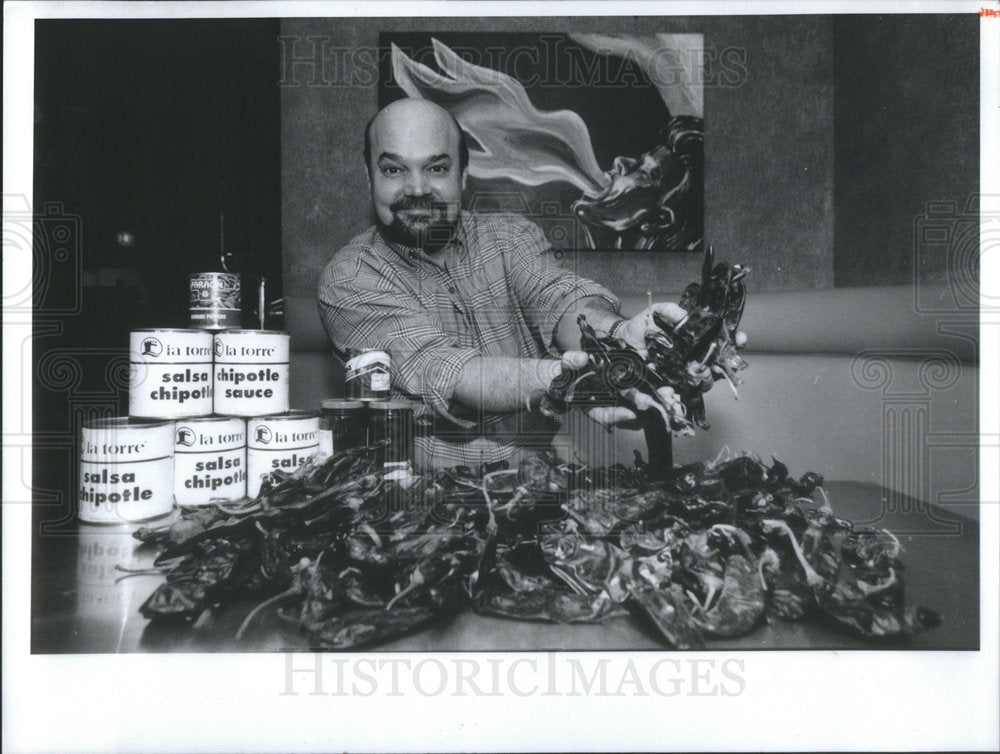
{"points": [[427, 202]]}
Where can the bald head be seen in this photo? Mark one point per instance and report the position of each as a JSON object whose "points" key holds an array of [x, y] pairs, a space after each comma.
{"points": [[410, 119], [416, 169]]}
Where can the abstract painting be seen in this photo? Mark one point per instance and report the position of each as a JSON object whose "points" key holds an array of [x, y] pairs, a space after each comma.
{"points": [[597, 137]]}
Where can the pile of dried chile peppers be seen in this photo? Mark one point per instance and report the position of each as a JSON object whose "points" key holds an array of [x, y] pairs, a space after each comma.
{"points": [[353, 559]]}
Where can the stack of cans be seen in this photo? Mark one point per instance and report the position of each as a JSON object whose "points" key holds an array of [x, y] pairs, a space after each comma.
{"points": [[192, 393]]}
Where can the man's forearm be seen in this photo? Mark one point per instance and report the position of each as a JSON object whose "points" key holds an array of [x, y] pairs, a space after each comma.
{"points": [[599, 315], [500, 384]]}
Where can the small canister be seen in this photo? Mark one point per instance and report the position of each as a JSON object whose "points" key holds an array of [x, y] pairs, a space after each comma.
{"points": [[215, 300], [251, 372], [392, 422], [170, 374], [210, 460], [283, 442], [341, 426], [126, 470], [367, 377]]}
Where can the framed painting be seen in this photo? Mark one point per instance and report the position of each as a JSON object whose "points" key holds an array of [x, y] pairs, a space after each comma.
{"points": [[597, 137]]}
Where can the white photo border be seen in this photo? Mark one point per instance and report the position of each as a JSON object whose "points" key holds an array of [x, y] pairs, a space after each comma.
{"points": [[788, 700]]}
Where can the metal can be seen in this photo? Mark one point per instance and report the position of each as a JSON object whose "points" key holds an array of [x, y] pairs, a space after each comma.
{"points": [[341, 426], [392, 422], [251, 372], [126, 470], [214, 302], [210, 460], [279, 443], [170, 374], [367, 377]]}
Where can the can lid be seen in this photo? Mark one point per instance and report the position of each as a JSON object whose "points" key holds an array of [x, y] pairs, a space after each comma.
{"points": [[393, 405], [197, 330], [340, 403], [125, 422], [215, 418], [288, 415], [365, 358]]}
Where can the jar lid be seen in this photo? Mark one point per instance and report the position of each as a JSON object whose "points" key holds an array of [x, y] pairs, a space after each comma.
{"points": [[393, 405], [340, 404], [248, 331]]}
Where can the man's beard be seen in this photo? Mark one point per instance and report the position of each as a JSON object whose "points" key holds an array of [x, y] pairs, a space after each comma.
{"points": [[429, 232]]}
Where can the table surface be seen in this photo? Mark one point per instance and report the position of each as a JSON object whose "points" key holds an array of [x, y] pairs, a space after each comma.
{"points": [[80, 603]]}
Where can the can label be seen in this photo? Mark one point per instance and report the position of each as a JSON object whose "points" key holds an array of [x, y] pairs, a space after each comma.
{"points": [[126, 470], [279, 443], [367, 376], [251, 372], [326, 442], [210, 460], [170, 374], [214, 303]]}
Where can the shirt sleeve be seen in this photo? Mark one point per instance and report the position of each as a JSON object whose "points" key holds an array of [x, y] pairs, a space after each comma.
{"points": [[545, 290], [362, 307]]}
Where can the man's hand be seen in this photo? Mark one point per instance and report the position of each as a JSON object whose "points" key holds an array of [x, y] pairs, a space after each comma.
{"points": [[622, 417], [634, 330]]}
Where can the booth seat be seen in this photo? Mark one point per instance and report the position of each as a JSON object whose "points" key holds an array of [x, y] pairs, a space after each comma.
{"points": [[854, 383]]}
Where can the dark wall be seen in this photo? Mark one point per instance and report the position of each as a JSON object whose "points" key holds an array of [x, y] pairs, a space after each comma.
{"points": [[154, 128], [769, 146], [906, 116]]}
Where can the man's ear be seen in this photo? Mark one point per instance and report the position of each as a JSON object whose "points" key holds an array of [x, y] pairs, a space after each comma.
{"points": [[368, 174], [465, 175]]}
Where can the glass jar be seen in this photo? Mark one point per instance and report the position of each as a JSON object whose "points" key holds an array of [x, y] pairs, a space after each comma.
{"points": [[392, 422], [342, 425]]}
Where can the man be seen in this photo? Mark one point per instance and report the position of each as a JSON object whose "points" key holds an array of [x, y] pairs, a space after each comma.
{"points": [[474, 313]]}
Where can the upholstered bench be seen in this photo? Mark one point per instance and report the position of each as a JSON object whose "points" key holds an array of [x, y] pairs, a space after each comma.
{"points": [[854, 383]]}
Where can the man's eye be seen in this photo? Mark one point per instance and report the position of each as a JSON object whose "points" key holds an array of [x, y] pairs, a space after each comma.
{"points": [[390, 170], [439, 169]]}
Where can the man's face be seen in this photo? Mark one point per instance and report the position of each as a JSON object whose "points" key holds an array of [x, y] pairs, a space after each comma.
{"points": [[416, 180]]}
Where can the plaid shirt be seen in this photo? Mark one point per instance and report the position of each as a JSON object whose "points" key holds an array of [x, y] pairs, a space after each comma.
{"points": [[494, 291]]}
